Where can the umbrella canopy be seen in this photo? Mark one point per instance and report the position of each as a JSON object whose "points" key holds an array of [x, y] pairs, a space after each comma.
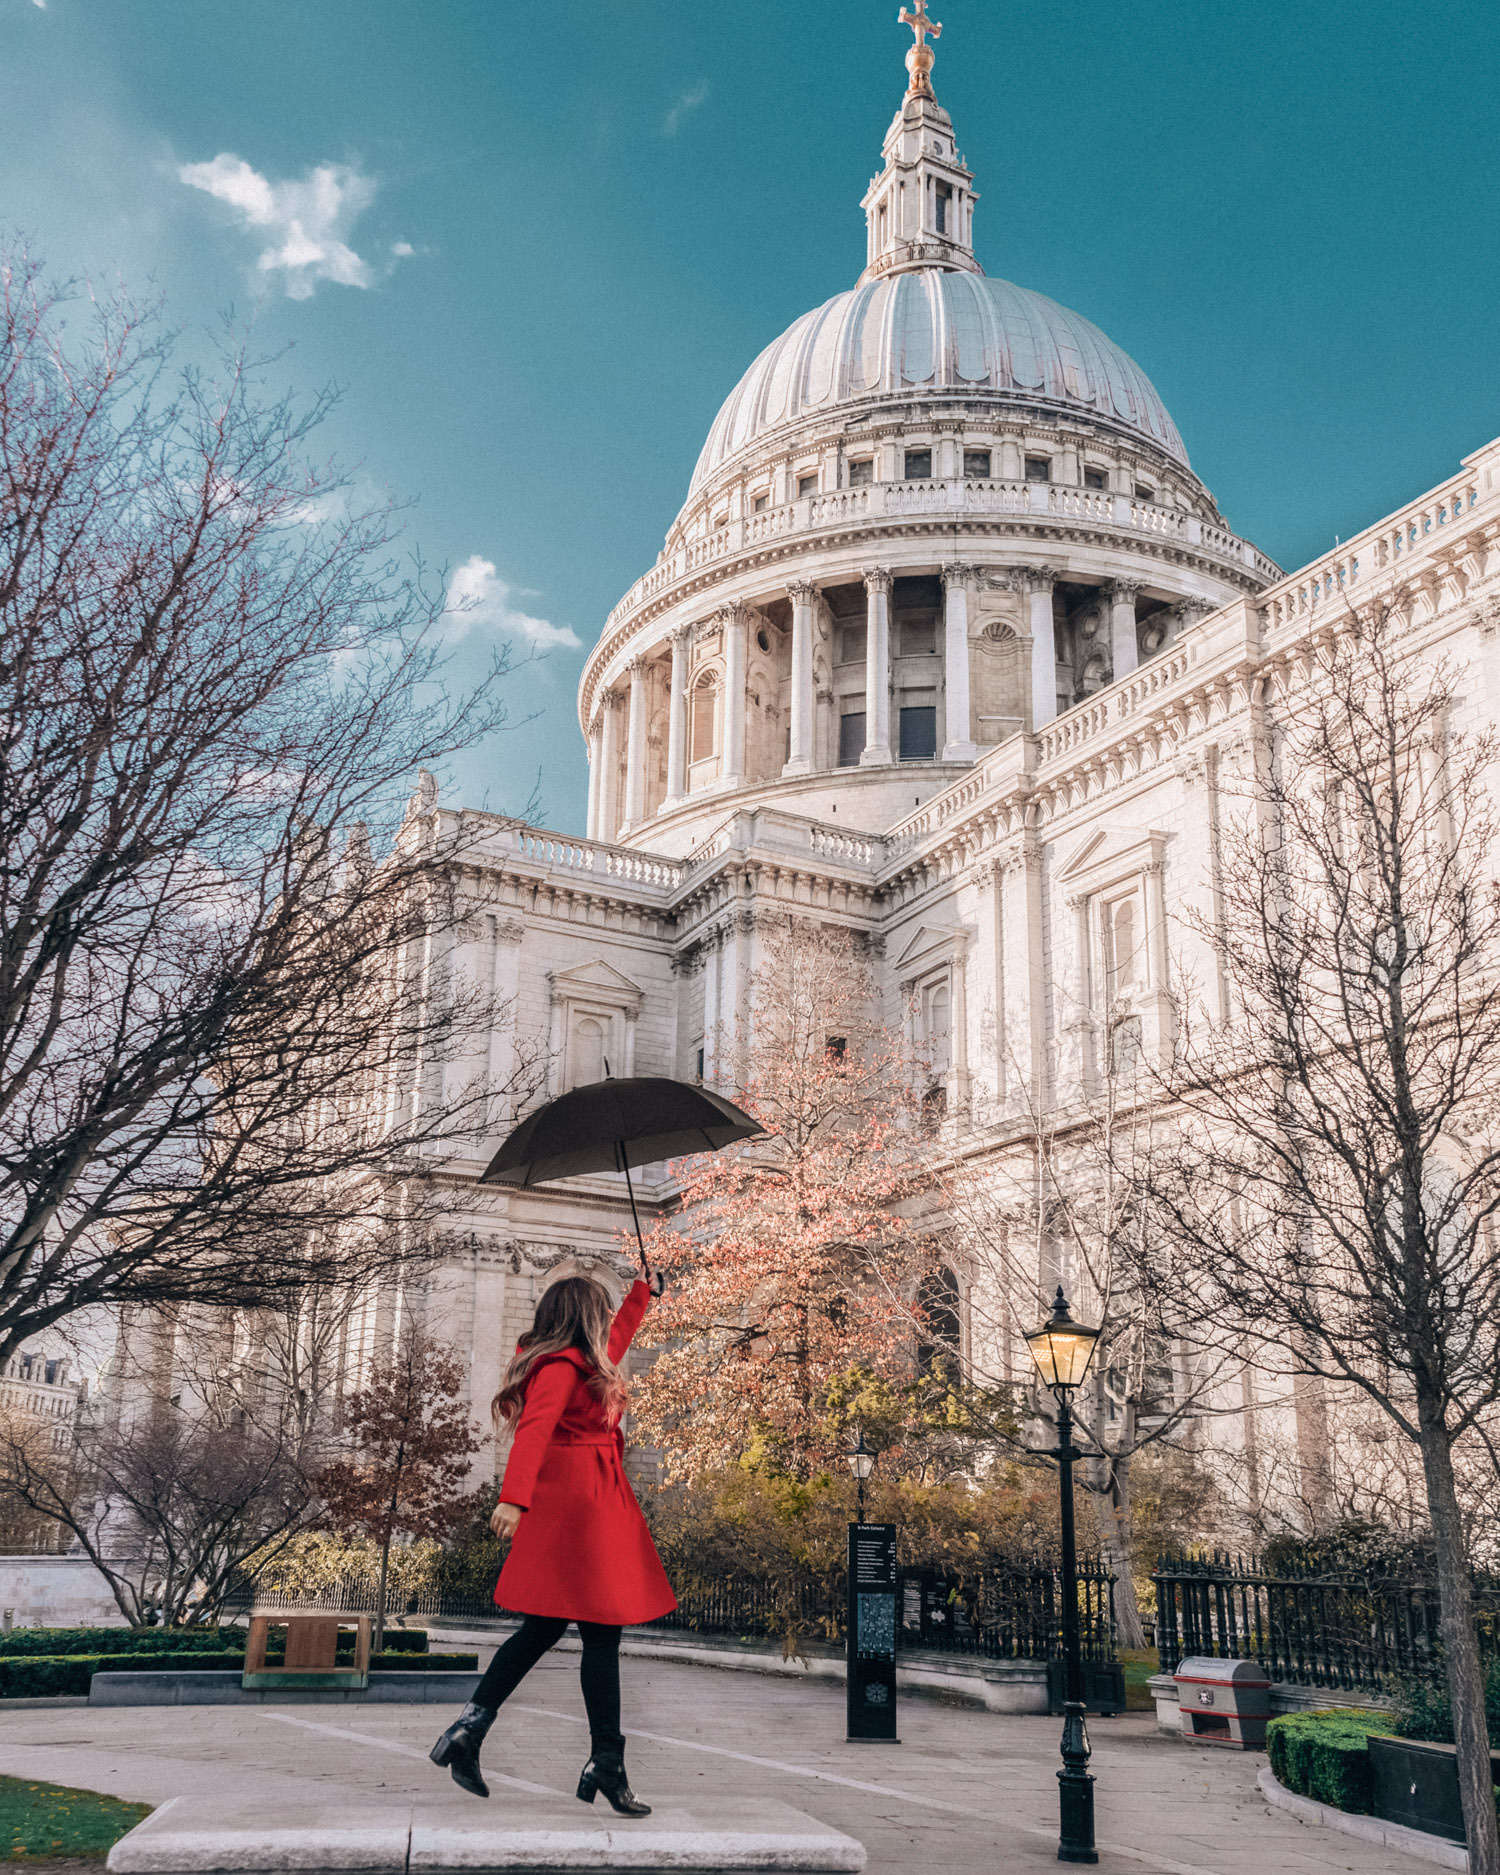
{"points": [[610, 1126]]}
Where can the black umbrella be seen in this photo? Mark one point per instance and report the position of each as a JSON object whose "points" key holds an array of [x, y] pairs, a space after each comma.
{"points": [[609, 1126]]}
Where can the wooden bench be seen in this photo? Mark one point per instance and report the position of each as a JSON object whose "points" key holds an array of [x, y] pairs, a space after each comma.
{"points": [[312, 1652]]}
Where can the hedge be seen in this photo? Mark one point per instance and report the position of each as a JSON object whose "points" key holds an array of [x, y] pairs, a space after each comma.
{"points": [[1326, 1755], [54, 1641], [40, 1676]]}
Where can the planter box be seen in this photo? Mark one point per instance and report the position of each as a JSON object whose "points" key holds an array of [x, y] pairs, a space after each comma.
{"points": [[1416, 1784]]}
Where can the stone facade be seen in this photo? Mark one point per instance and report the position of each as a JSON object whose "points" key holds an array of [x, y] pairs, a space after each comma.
{"points": [[948, 646]]}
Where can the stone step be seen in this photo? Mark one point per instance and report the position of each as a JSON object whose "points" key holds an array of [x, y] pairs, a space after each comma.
{"points": [[240, 1835]]}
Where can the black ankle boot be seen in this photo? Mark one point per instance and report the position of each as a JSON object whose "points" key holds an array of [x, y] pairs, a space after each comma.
{"points": [[458, 1748], [606, 1771]]}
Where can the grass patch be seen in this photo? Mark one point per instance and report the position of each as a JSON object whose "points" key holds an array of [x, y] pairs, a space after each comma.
{"points": [[1139, 1664], [40, 1822]]}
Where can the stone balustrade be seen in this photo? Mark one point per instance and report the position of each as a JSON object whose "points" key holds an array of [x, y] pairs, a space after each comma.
{"points": [[812, 515]]}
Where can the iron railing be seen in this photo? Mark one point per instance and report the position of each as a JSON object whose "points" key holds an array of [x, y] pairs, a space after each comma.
{"points": [[1000, 1613], [1359, 1631]]}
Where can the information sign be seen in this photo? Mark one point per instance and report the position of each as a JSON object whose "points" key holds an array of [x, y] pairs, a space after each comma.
{"points": [[872, 1631]]}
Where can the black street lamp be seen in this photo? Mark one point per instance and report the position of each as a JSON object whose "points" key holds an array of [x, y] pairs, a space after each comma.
{"points": [[1062, 1350], [861, 1461]]}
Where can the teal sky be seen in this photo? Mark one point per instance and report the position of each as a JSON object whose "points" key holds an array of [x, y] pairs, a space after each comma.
{"points": [[539, 244]]}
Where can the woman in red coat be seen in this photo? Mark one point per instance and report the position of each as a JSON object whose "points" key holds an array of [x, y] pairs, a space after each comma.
{"points": [[580, 1550]]}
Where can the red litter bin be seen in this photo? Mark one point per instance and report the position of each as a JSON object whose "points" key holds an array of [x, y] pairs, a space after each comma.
{"points": [[1223, 1702]]}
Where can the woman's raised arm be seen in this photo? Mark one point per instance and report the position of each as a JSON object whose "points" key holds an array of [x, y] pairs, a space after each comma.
{"points": [[628, 1319]]}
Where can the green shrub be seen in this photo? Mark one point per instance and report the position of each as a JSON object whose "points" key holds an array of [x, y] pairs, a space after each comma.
{"points": [[55, 1641], [1424, 1709], [430, 1663], [1326, 1755], [42, 1676]]}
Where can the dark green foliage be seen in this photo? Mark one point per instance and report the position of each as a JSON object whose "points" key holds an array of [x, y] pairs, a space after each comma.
{"points": [[39, 1676], [1424, 1709], [115, 1640], [399, 1640], [1326, 1755], [40, 1822]]}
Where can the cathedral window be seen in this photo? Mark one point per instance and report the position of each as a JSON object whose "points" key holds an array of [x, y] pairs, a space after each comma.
{"points": [[1095, 478], [587, 1062], [1122, 945], [1144, 492], [918, 465], [944, 206], [704, 719], [807, 484], [938, 1300], [852, 644], [919, 733], [977, 465], [862, 473], [851, 738], [759, 503], [1038, 468], [918, 638]]}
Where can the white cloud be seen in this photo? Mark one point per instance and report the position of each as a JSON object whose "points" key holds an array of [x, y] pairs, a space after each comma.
{"points": [[478, 597], [305, 225], [688, 101]]}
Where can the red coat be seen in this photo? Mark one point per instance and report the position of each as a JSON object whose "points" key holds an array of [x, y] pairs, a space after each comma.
{"points": [[582, 1551]]}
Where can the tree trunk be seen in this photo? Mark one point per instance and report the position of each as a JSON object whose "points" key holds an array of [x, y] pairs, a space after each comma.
{"points": [[1460, 1643], [1112, 1513], [385, 1564]]}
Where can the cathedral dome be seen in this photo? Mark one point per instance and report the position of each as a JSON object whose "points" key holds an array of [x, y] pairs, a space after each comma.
{"points": [[933, 331]]}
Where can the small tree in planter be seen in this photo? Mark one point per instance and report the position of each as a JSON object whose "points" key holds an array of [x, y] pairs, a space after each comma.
{"points": [[413, 1438]]}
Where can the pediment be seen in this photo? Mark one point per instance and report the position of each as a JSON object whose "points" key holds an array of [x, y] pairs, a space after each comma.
{"points": [[597, 980], [1109, 853], [931, 944]]}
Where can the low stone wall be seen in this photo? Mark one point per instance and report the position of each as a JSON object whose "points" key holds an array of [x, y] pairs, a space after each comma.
{"points": [[55, 1592], [995, 1685]]}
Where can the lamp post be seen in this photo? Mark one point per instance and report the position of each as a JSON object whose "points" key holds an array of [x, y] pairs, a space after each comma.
{"points": [[1062, 1350], [861, 1461]]}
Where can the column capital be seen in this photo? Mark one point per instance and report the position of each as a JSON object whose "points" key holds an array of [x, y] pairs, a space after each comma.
{"points": [[732, 612], [957, 575], [803, 592], [1123, 590], [681, 636], [611, 699], [1038, 578], [636, 669], [878, 579]]}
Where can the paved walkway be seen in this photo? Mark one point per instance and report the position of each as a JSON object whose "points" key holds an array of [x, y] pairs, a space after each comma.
{"points": [[964, 1791]]}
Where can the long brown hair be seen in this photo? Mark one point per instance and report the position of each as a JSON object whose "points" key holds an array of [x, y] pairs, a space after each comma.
{"points": [[573, 1313]]}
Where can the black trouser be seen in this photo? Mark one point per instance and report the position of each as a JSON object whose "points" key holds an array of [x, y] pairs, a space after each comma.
{"points": [[599, 1674]]}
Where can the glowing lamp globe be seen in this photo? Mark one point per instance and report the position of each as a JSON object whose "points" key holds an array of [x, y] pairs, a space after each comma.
{"points": [[1061, 1347]]}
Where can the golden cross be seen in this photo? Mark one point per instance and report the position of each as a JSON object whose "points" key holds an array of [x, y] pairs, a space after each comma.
{"points": [[919, 22]]}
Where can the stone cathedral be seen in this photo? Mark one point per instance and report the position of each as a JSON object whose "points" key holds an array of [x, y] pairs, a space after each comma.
{"points": [[948, 644]]}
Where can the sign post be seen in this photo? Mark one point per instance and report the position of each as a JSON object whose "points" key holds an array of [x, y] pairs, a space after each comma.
{"points": [[871, 1668]]}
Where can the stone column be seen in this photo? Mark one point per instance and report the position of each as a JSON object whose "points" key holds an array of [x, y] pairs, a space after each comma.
{"points": [[635, 745], [1122, 627], [957, 743], [596, 775], [677, 719], [799, 761], [609, 765], [732, 769], [1039, 582], [877, 749]]}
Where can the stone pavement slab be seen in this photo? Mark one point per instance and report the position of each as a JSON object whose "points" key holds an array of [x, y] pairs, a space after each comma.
{"points": [[238, 1834], [966, 1793]]}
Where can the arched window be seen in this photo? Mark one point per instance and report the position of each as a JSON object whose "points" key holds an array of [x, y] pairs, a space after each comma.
{"points": [[705, 699], [938, 1301]]}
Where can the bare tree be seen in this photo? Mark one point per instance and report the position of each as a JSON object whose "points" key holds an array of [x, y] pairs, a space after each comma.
{"points": [[1063, 1205], [1335, 1187], [169, 1502], [228, 1028]]}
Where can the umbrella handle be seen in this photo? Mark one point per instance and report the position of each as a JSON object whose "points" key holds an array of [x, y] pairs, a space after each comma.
{"points": [[634, 1216]]}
